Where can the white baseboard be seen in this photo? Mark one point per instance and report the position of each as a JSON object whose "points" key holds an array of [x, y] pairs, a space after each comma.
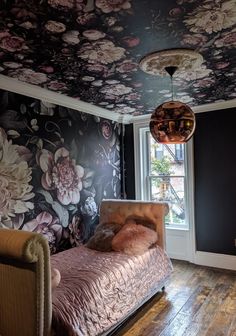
{"points": [[177, 256], [224, 261], [178, 247]]}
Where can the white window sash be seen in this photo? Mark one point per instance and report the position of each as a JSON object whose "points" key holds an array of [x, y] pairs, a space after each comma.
{"points": [[142, 184]]}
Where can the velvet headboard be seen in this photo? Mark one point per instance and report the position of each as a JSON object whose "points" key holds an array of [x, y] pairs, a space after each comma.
{"points": [[118, 210]]}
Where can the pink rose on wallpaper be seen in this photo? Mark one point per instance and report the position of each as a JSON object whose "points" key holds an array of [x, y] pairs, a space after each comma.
{"points": [[133, 96], [47, 225], [221, 65], [60, 173], [57, 86], [66, 51], [175, 12], [108, 6], [227, 40], [47, 68], [11, 43], [127, 66], [131, 41], [106, 129], [207, 82], [4, 33], [194, 39], [97, 68]]}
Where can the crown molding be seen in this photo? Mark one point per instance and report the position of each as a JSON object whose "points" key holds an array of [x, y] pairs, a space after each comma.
{"points": [[14, 85], [222, 105], [196, 109]]}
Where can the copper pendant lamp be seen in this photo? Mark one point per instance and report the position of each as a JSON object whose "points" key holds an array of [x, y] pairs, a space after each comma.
{"points": [[173, 122]]}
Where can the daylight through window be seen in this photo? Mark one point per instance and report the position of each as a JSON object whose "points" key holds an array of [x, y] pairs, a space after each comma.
{"points": [[166, 178]]}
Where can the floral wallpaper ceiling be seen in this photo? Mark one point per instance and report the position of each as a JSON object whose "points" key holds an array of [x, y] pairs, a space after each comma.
{"points": [[90, 49]]}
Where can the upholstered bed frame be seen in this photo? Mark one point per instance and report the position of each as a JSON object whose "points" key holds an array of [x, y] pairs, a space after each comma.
{"points": [[122, 209], [25, 280]]}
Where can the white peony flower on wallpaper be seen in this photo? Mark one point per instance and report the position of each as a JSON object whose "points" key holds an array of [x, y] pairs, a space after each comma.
{"points": [[15, 189], [212, 17], [29, 76], [104, 52], [61, 173]]}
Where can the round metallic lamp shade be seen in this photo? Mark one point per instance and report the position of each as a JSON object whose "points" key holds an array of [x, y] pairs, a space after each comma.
{"points": [[172, 122]]}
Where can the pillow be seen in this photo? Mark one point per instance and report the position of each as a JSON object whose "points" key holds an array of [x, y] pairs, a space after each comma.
{"points": [[141, 221], [114, 227], [101, 240], [55, 278], [134, 239]]}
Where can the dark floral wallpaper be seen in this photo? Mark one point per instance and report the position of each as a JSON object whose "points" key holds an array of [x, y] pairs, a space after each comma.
{"points": [[90, 49], [56, 165]]}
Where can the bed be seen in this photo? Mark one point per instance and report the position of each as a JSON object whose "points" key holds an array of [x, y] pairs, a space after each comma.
{"points": [[97, 291]]}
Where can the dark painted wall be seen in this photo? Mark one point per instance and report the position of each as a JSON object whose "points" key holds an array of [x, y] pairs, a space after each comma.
{"points": [[129, 162], [56, 165], [215, 181]]}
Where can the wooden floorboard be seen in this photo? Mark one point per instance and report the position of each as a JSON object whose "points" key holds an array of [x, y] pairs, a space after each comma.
{"points": [[198, 301]]}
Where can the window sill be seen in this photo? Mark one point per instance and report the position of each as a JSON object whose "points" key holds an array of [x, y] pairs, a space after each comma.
{"points": [[178, 228]]}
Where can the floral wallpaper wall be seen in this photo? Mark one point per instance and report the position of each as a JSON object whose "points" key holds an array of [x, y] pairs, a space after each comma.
{"points": [[56, 165], [90, 49]]}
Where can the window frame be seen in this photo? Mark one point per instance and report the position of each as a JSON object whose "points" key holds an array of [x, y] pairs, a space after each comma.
{"points": [[142, 186]]}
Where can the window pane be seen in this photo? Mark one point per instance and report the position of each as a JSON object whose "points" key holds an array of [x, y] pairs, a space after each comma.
{"points": [[168, 163], [167, 178], [179, 152], [170, 190]]}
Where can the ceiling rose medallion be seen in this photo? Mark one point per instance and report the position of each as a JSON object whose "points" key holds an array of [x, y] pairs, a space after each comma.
{"points": [[172, 121], [183, 59]]}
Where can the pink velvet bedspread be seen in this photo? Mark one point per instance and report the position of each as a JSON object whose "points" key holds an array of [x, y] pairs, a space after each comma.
{"points": [[98, 289]]}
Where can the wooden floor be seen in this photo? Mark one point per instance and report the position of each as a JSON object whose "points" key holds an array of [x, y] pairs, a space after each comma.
{"points": [[198, 301]]}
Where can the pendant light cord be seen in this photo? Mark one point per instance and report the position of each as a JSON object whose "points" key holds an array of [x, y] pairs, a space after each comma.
{"points": [[172, 87], [171, 70]]}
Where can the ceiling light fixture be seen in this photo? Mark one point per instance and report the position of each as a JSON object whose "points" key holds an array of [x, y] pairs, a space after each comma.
{"points": [[172, 122]]}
